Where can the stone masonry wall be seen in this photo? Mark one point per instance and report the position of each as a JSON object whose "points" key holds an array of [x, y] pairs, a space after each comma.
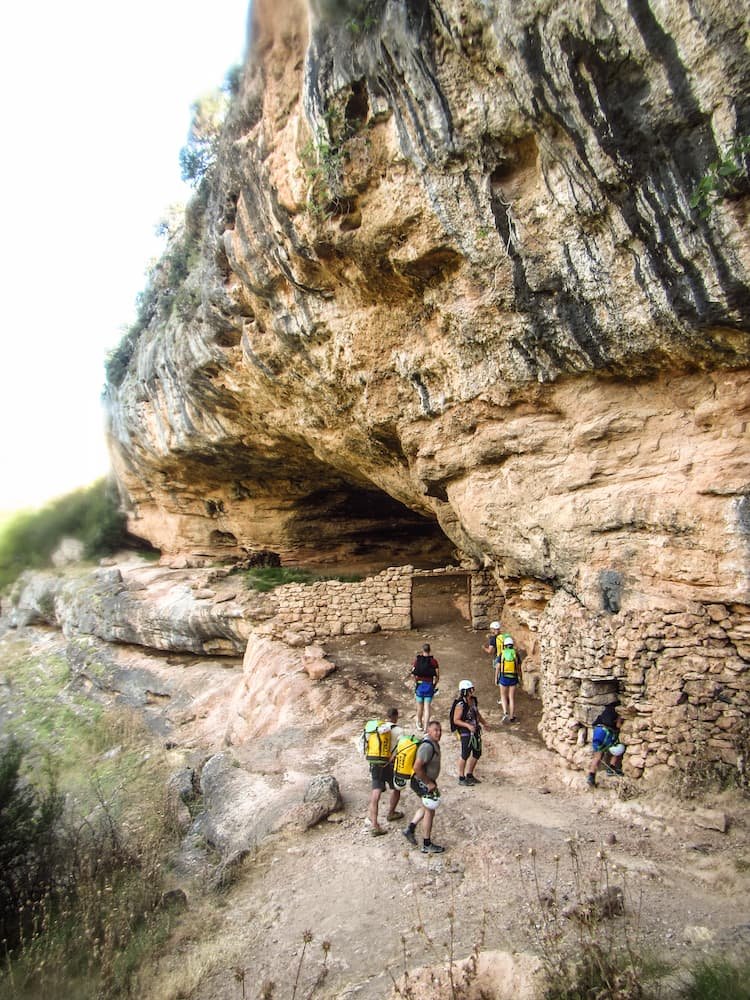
{"points": [[308, 612], [682, 676]]}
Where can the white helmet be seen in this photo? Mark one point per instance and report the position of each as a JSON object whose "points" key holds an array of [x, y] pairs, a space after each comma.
{"points": [[495, 626], [507, 641], [465, 686]]}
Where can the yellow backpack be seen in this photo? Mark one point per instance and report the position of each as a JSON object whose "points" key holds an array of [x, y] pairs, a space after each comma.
{"points": [[377, 746], [403, 762]]}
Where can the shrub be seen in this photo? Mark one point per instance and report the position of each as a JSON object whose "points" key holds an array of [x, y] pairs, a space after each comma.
{"points": [[90, 514], [28, 848], [81, 887], [199, 154], [725, 178], [717, 979]]}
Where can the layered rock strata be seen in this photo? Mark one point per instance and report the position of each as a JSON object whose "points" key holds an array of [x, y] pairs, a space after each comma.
{"points": [[451, 285]]}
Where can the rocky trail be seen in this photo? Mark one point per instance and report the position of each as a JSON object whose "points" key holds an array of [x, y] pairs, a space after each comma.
{"points": [[684, 884], [331, 912]]}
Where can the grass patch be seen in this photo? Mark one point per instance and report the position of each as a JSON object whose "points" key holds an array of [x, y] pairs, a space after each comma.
{"points": [[265, 578], [91, 914], [717, 978]]}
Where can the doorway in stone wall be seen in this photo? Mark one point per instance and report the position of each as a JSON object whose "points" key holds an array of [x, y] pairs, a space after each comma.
{"points": [[440, 600]]}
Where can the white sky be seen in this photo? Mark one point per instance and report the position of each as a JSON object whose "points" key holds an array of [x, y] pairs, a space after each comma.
{"points": [[96, 107]]}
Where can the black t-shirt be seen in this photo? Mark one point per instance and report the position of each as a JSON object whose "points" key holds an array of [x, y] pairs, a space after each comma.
{"points": [[607, 717]]}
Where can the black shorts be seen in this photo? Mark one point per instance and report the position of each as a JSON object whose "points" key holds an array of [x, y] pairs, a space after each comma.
{"points": [[471, 745], [381, 775]]}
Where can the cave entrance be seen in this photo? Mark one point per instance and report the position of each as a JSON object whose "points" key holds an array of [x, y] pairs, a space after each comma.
{"points": [[443, 599], [364, 531]]}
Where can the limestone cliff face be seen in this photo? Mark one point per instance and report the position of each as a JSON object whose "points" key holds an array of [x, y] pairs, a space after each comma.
{"points": [[451, 286]]}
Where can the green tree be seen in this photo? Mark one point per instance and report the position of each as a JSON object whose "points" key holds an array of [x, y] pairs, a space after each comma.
{"points": [[91, 514], [199, 153]]}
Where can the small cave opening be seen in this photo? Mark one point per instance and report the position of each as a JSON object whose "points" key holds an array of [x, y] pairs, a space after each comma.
{"points": [[222, 538], [367, 530], [357, 107]]}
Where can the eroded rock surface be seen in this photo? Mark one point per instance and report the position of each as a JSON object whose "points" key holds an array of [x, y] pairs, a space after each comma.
{"points": [[452, 294]]}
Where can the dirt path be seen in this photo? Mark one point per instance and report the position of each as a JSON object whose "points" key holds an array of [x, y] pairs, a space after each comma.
{"points": [[384, 907], [367, 896]]}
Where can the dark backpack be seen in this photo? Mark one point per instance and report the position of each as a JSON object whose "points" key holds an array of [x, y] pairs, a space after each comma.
{"points": [[423, 666], [456, 701]]}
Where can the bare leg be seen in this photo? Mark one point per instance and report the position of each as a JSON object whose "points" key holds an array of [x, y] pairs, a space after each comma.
{"points": [[504, 700], [418, 816], [427, 823], [595, 761], [372, 811], [395, 796], [471, 764], [511, 701]]}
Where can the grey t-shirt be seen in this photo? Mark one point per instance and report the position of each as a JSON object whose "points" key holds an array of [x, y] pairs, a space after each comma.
{"points": [[429, 753]]}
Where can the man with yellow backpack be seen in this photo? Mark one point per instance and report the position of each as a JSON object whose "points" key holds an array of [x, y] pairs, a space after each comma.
{"points": [[380, 740]]}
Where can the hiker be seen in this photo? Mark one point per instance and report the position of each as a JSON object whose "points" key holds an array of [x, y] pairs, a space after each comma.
{"points": [[424, 785], [606, 741], [507, 676], [491, 643], [467, 721], [426, 673], [382, 775]]}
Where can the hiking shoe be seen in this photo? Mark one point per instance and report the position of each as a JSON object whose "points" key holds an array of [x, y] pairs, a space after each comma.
{"points": [[409, 834], [471, 780], [462, 779], [394, 816], [432, 849], [591, 780], [616, 771], [512, 719], [506, 718], [378, 831]]}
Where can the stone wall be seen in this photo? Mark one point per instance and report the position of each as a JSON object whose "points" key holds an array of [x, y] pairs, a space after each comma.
{"points": [[306, 612], [681, 675]]}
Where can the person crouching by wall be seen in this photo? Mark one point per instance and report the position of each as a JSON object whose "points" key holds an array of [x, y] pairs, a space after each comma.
{"points": [[606, 743]]}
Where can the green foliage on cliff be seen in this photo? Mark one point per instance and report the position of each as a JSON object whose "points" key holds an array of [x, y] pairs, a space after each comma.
{"points": [[725, 178], [199, 153], [92, 515]]}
